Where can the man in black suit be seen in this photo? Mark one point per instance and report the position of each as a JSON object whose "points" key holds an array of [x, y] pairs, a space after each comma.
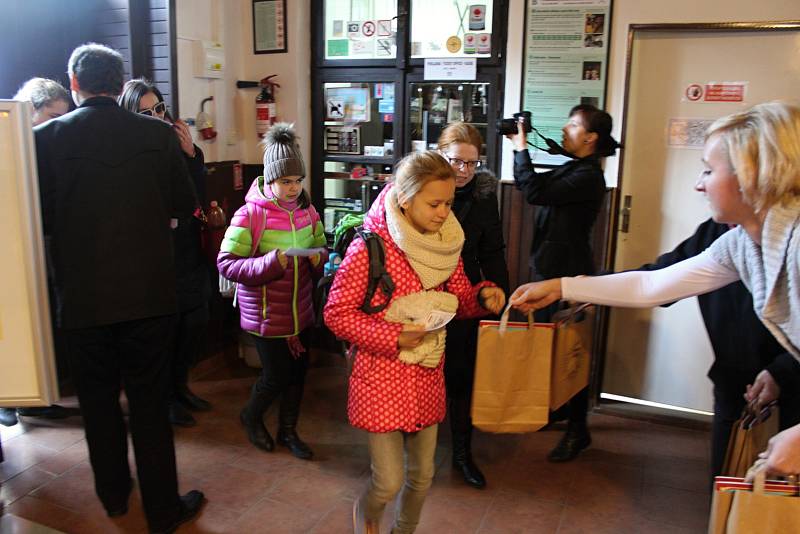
{"points": [[110, 183]]}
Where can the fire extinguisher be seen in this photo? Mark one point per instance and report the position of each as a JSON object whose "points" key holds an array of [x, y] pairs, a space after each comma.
{"points": [[266, 109]]}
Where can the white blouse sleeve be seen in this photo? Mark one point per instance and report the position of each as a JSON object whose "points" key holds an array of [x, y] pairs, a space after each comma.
{"points": [[644, 289]]}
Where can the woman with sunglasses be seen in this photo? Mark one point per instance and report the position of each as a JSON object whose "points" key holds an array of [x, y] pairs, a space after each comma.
{"points": [[475, 207], [194, 289], [568, 199]]}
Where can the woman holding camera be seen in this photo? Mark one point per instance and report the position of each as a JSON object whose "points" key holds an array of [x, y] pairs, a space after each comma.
{"points": [[569, 199]]}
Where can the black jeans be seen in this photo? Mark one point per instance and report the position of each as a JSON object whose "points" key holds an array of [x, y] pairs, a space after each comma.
{"points": [[279, 369], [134, 355]]}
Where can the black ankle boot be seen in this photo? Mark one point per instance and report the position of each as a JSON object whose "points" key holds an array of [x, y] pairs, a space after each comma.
{"points": [[462, 460], [289, 439], [574, 441], [252, 417], [287, 416]]}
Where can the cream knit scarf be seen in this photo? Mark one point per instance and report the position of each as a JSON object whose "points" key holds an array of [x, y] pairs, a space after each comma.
{"points": [[434, 256]]}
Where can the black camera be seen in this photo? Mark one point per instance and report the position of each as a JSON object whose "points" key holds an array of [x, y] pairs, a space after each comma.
{"points": [[509, 126]]}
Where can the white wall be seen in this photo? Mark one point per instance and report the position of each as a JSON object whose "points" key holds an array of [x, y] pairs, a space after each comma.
{"points": [[231, 23], [626, 12]]}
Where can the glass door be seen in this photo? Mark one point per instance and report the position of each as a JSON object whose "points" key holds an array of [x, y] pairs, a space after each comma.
{"points": [[357, 141], [432, 105]]}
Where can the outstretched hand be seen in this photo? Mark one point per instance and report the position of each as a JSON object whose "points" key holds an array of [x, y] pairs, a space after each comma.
{"points": [[536, 295]]}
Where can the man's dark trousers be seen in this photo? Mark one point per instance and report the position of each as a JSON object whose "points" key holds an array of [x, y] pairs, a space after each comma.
{"points": [[134, 355]]}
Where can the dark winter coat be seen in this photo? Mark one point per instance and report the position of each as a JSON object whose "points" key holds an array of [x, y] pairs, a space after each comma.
{"points": [[194, 287], [110, 182], [483, 255], [569, 198], [484, 248]]}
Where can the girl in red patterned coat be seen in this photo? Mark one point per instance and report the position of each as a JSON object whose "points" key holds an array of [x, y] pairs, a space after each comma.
{"points": [[397, 391]]}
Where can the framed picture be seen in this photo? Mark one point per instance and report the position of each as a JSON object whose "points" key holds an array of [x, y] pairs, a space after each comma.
{"points": [[269, 26], [347, 104]]}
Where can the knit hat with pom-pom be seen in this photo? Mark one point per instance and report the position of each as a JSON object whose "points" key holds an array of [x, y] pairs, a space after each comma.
{"points": [[281, 154]]}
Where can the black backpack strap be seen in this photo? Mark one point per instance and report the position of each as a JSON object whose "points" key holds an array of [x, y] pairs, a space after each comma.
{"points": [[379, 278]]}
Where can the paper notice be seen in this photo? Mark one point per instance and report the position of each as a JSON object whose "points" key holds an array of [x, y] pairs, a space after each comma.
{"points": [[305, 252], [437, 319]]}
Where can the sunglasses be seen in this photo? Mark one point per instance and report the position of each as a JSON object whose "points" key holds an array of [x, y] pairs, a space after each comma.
{"points": [[158, 109]]}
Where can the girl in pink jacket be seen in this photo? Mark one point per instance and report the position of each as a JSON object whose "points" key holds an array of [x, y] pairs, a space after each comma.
{"points": [[397, 391], [274, 290]]}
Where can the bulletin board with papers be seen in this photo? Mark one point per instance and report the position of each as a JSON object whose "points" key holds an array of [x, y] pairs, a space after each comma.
{"points": [[565, 63]]}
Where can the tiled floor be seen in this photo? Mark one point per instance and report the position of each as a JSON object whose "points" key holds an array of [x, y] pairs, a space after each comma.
{"points": [[637, 477]]}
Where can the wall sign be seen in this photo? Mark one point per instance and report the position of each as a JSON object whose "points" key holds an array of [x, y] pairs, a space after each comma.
{"points": [[269, 26], [566, 61], [451, 69]]}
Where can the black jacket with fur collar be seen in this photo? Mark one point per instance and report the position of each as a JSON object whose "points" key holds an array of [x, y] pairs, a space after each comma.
{"points": [[476, 208]]}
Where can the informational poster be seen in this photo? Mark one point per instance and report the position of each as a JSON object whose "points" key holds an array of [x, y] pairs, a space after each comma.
{"points": [[566, 60], [269, 26], [687, 133]]}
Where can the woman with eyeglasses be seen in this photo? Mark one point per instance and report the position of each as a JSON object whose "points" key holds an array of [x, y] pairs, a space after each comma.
{"points": [[475, 207], [568, 199], [194, 289]]}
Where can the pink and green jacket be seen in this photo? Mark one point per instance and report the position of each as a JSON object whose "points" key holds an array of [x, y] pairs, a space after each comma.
{"points": [[273, 301]]}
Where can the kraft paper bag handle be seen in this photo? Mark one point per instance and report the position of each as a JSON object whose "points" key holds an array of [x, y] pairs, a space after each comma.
{"points": [[504, 319]]}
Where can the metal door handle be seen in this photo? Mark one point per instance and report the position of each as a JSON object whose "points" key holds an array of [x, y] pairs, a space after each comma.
{"points": [[626, 214]]}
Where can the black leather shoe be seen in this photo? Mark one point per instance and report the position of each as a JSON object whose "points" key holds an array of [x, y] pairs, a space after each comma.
{"points": [[192, 401], [191, 503], [290, 439], [573, 442], [257, 432], [180, 416], [8, 416], [53, 411]]}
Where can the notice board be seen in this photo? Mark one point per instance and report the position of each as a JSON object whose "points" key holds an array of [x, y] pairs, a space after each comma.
{"points": [[565, 62]]}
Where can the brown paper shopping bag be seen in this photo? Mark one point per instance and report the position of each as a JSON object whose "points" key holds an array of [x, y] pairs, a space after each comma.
{"points": [[571, 354], [750, 512], [525, 369], [512, 375], [749, 436]]}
